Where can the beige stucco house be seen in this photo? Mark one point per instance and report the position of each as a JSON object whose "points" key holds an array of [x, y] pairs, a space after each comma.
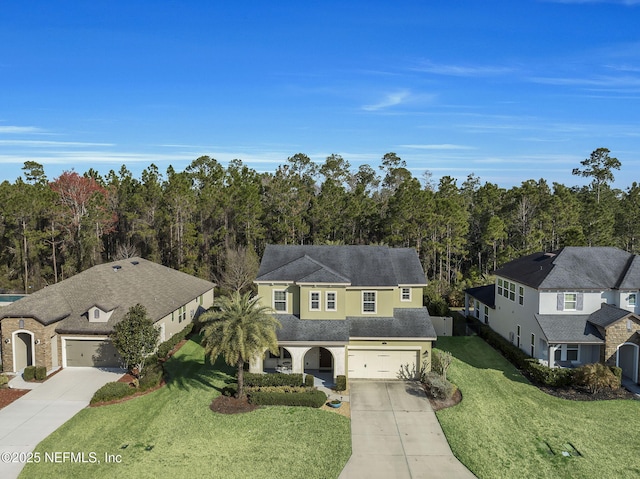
{"points": [[68, 324], [349, 310], [575, 306]]}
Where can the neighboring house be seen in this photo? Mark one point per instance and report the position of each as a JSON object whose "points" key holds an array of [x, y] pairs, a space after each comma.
{"points": [[576, 306], [68, 324], [350, 310]]}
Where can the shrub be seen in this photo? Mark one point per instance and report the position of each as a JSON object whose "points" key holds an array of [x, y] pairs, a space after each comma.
{"points": [[309, 380], [40, 373], [441, 362], [277, 379], [341, 382], [4, 380], [151, 376], [230, 390], [596, 377], [111, 391], [166, 347], [617, 372], [29, 373], [554, 377], [438, 387], [308, 398]]}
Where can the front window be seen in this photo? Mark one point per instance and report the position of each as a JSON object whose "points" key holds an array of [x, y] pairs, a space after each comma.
{"points": [[405, 294], [314, 301], [521, 295], [570, 301], [566, 352], [280, 301], [331, 301], [486, 315], [368, 301]]}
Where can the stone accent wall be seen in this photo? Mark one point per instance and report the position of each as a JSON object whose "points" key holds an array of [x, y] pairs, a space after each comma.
{"points": [[40, 332], [617, 334]]}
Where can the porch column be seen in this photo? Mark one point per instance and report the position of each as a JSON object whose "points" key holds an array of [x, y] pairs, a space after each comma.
{"points": [[339, 359], [466, 305], [297, 358], [256, 364]]}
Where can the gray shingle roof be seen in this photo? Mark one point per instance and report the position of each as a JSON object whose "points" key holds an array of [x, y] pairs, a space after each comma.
{"points": [[357, 265], [113, 286], [405, 323], [562, 328], [484, 294], [607, 315], [573, 267], [296, 329]]}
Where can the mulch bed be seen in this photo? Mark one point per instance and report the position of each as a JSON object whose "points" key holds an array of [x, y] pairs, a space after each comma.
{"points": [[438, 404], [231, 405], [580, 394], [8, 395]]}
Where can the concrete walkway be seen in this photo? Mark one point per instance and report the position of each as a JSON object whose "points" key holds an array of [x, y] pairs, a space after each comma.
{"points": [[395, 434], [31, 418]]}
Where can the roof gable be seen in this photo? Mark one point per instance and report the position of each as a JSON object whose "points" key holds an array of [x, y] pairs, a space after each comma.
{"points": [[607, 315]]}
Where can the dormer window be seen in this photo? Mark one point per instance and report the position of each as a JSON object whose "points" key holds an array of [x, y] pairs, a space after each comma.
{"points": [[632, 299], [96, 313]]}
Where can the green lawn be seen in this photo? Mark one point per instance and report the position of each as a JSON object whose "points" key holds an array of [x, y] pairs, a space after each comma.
{"points": [[172, 433], [500, 428]]}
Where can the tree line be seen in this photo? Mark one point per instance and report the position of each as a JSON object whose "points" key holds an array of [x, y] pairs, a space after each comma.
{"points": [[191, 220]]}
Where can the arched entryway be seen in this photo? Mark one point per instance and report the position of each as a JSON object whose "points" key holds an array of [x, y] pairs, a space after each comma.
{"points": [[22, 350], [628, 360], [280, 362], [319, 362]]}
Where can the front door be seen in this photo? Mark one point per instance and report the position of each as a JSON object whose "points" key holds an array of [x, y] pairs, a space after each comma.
{"points": [[23, 351], [628, 361], [326, 359]]}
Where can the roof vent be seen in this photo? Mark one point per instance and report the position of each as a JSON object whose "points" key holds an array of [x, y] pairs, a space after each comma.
{"points": [[135, 263], [550, 255], [117, 268]]}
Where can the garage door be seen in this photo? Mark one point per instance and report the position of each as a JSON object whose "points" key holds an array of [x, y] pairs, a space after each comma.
{"points": [[91, 353], [379, 363]]}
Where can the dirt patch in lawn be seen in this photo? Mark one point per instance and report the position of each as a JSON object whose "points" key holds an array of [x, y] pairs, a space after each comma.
{"points": [[231, 405], [438, 404], [581, 394], [8, 395]]}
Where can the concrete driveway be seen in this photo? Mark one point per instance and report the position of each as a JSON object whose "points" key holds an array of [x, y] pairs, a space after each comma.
{"points": [[395, 434], [31, 418]]}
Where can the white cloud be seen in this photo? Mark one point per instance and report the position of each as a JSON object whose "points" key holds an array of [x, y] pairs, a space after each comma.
{"points": [[43, 144], [391, 99], [461, 70], [19, 129]]}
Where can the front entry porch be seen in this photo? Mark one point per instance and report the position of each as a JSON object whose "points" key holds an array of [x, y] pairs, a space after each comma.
{"points": [[323, 362]]}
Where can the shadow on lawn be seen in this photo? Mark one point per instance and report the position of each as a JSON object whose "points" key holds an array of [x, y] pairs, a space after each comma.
{"points": [[475, 352], [188, 373]]}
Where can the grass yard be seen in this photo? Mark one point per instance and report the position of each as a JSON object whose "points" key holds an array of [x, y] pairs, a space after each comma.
{"points": [[503, 424], [172, 433]]}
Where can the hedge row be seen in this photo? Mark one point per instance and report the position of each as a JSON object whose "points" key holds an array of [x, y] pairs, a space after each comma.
{"points": [[165, 348], [538, 373], [277, 379], [308, 398]]}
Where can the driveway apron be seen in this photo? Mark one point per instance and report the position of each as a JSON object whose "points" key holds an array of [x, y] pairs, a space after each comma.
{"points": [[395, 434], [31, 418]]}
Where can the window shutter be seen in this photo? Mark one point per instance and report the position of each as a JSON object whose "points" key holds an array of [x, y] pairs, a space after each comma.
{"points": [[579, 301], [560, 305]]}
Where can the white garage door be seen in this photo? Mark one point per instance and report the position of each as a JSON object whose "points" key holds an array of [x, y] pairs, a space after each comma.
{"points": [[379, 363], [91, 353]]}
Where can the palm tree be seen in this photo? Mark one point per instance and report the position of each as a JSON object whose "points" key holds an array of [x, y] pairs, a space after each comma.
{"points": [[239, 328]]}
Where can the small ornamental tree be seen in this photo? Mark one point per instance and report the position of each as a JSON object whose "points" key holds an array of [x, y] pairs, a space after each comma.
{"points": [[135, 338], [239, 329]]}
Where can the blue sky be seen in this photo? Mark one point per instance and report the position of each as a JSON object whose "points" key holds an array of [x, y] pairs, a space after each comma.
{"points": [[507, 90]]}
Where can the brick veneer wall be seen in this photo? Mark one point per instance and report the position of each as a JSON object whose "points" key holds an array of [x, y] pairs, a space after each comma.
{"points": [[40, 332]]}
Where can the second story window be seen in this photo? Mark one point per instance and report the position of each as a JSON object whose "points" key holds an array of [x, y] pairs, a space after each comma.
{"points": [[368, 301], [570, 301], [96, 313], [314, 301], [280, 301], [330, 297], [632, 299], [405, 294]]}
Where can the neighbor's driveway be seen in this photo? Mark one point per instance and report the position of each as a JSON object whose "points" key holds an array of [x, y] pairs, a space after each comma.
{"points": [[31, 418], [395, 434]]}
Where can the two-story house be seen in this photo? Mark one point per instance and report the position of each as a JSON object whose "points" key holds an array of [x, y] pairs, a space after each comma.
{"points": [[350, 310], [575, 306]]}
